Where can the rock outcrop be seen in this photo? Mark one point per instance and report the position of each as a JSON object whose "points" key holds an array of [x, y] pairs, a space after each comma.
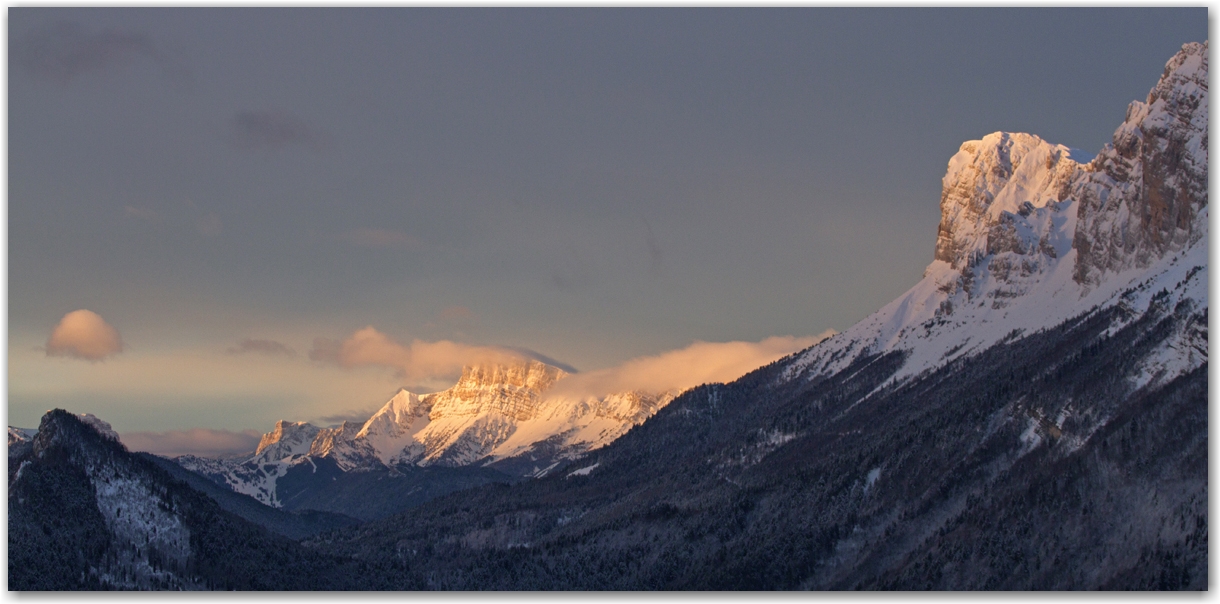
{"points": [[1145, 194], [286, 440]]}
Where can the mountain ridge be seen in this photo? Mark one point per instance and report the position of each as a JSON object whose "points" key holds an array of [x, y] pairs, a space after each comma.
{"points": [[85, 513], [500, 416]]}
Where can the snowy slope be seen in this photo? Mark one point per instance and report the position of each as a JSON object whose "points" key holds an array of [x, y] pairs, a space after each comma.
{"points": [[1029, 237], [577, 426]]}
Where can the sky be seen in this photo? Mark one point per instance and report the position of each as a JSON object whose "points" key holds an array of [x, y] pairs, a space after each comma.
{"points": [[290, 213]]}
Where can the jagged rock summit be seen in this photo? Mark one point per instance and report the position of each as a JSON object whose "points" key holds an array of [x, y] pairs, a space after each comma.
{"points": [[1033, 233], [1145, 196]]}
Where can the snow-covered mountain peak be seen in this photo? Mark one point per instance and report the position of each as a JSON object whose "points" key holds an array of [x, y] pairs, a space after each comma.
{"points": [[1030, 237], [989, 183], [1185, 76], [402, 408], [286, 440], [387, 434]]}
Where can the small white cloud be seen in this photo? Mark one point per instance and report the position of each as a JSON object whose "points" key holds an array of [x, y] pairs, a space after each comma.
{"points": [[82, 334]]}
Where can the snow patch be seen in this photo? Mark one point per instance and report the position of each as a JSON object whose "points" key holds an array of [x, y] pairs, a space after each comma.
{"points": [[583, 471], [101, 426], [871, 479]]}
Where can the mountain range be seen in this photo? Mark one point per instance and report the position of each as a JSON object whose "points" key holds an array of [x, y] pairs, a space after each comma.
{"points": [[499, 423], [1032, 414]]}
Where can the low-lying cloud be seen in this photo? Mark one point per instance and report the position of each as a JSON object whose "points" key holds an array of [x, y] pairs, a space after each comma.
{"points": [[439, 363], [268, 347], [419, 361], [83, 334], [196, 441], [250, 130], [676, 370]]}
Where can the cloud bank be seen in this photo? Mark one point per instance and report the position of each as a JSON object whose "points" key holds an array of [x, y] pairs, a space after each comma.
{"points": [[196, 441], [82, 334], [676, 370], [442, 362], [420, 360]]}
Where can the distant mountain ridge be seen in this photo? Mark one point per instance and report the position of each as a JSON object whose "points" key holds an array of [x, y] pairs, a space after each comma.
{"points": [[499, 416]]}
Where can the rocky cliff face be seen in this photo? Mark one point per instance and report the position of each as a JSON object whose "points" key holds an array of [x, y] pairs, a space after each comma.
{"points": [[1145, 195], [1137, 200], [990, 183], [481, 411], [1003, 216], [513, 391], [286, 440], [341, 444]]}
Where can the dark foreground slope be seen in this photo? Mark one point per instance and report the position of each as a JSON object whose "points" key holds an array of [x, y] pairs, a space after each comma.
{"points": [[292, 524], [84, 513], [376, 493], [317, 489], [1030, 466]]}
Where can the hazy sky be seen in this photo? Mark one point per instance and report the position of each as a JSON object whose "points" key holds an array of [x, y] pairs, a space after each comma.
{"points": [[238, 193]]}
